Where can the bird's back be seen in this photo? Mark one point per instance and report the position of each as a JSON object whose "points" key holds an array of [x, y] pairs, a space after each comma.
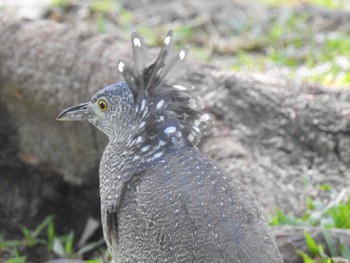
{"points": [[184, 208]]}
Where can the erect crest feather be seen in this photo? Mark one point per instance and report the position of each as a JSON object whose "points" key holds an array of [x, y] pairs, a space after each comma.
{"points": [[164, 105]]}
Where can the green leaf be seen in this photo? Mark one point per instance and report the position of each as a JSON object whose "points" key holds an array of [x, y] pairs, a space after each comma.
{"points": [[310, 203], [11, 243], [68, 248], [313, 247], [42, 226], [16, 260], [325, 187], [89, 247], [344, 250], [50, 235], [58, 247], [330, 243], [305, 257], [30, 241], [93, 261]]}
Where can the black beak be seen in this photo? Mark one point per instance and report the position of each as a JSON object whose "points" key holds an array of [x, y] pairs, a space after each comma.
{"points": [[76, 113]]}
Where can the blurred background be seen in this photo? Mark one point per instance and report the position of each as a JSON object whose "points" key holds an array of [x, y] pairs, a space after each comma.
{"points": [[304, 39]]}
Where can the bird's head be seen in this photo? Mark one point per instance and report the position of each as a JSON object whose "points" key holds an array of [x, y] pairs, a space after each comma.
{"points": [[151, 108], [110, 110]]}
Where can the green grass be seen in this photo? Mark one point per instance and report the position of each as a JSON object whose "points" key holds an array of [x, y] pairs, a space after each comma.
{"points": [[304, 54], [45, 237], [318, 253], [287, 44], [321, 215], [318, 214]]}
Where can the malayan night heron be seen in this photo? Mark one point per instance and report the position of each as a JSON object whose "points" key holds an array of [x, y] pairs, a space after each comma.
{"points": [[162, 200]]}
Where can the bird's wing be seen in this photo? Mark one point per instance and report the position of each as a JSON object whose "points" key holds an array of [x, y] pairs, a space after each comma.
{"points": [[110, 221], [193, 210]]}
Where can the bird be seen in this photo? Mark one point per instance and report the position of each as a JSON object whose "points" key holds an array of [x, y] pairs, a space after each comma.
{"points": [[162, 200]]}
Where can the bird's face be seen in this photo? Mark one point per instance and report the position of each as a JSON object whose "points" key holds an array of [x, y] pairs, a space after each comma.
{"points": [[109, 110]]}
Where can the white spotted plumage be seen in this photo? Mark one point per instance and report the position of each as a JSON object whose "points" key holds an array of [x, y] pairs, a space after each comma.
{"points": [[121, 66], [137, 42], [160, 104], [182, 54], [170, 129]]}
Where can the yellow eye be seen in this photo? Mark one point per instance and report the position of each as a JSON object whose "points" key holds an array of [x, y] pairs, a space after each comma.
{"points": [[102, 105]]}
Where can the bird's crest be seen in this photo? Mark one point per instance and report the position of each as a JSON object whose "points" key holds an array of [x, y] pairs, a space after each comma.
{"points": [[163, 104]]}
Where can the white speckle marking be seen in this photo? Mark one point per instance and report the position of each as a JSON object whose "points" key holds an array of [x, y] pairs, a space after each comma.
{"points": [[167, 40], [170, 129], [142, 124], [137, 42], [145, 148], [161, 143], [190, 138], [143, 103], [196, 129], [180, 87], [160, 104], [121, 66], [204, 118], [182, 54], [192, 103], [139, 139], [157, 155]]}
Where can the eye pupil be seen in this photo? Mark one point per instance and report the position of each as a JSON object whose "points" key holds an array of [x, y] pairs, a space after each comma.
{"points": [[102, 104]]}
